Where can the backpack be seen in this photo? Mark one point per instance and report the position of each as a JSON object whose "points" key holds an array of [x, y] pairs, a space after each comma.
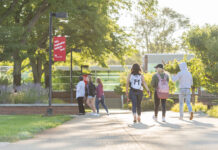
{"points": [[136, 82], [163, 87]]}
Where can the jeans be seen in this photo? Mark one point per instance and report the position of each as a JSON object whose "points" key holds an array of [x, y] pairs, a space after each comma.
{"points": [[97, 101], [157, 103], [184, 94], [136, 98]]}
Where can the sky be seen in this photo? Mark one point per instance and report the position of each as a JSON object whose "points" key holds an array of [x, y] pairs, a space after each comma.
{"points": [[199, 12]]}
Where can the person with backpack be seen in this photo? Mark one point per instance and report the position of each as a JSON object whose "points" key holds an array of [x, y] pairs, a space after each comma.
{"points": [[135, 80], [100, 96], [185, 82], [160, 82], [80, 95], [90, 94]]}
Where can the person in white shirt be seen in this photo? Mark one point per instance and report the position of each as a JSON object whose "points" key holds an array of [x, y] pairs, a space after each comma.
{"points": [[80, 94], [185, 82]]}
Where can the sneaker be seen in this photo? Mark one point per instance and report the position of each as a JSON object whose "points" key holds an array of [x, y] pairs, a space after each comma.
{"points": [[163, 119], [191, 115], [108, 113], [180, 118], [134, 121], [97, 114], [154, 118]]}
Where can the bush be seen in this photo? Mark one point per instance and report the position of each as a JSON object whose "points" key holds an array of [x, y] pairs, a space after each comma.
{"points": [[118, 90], [128, 106], [196, 108], [213, 112], [27, 94]]}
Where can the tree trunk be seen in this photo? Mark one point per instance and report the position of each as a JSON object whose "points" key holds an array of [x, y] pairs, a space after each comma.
{"points": [[193, 95], [17, 72], [36, 64], [46, 71]]}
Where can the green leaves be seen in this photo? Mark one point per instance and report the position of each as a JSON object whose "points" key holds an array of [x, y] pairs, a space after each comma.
{"points": [[157, 29], [204, 43]]}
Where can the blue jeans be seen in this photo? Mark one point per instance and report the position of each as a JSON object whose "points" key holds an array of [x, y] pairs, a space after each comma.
{"points": [[184, 94], [97, 101], [136, 98]]}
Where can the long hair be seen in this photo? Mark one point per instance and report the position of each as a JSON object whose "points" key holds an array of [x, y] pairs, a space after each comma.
{"points": [[136, 69], [99, 81], [90, 79]]}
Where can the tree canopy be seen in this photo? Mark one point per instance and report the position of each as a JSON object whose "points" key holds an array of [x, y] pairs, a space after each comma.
{"points": [[203, 41], [90, 26], [157, 31]]}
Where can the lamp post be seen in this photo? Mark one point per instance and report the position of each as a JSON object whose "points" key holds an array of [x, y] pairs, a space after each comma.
{"points": [[57, 15], [71, 69]]}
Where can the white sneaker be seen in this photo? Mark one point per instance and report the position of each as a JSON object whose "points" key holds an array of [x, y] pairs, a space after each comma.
{"points": [[108, 113], [180, 118], [163, 119], [96, 114], [154, 118]]}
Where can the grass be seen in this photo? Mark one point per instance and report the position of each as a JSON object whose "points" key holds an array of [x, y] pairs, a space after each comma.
{"points": [[19, 127]]}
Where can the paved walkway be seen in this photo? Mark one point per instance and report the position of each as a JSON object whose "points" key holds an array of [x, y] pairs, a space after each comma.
{"points": [[117, 132]]}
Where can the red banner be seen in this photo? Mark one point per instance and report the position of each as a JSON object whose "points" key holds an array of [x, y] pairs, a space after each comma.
{"points": [[59, 48]]}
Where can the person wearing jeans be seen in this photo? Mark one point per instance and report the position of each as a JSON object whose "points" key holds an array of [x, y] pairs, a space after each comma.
{"points": [[185, 82], [100, 96], [136, 81]]}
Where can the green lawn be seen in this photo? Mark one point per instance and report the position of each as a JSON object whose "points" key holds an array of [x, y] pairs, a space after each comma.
{"points": [[17, 127]]}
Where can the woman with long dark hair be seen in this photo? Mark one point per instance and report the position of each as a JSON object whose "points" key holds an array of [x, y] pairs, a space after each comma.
{"points": [[100, 96], [136, 81], [90, 94]]}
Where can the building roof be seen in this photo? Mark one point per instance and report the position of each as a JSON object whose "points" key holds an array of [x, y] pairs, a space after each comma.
{"points": [[159, 58]]}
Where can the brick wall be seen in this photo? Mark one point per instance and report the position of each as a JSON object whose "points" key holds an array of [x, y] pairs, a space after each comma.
{"points": [[21, 109]]}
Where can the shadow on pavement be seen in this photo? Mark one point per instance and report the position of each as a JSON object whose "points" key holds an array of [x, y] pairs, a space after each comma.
{"points": [[170, 125], [140, 126]]}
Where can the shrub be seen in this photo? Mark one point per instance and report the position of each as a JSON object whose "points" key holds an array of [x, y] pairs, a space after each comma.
{"points": [[128, 106], [196, 108], [27, 94], [213, 112]]}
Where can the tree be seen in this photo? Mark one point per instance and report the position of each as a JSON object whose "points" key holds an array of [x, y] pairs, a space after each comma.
{"points": [[155, 31], [90, 27], [204, 43]]}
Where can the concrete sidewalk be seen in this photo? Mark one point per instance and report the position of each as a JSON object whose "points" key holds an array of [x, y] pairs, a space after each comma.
{"points": [[119, 133]]}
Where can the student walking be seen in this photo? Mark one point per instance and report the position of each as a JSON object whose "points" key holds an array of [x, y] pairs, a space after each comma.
{"points": [[100, 96], [90, 94], [185, 82], [160, 82], [135, 80], [80, 95]]}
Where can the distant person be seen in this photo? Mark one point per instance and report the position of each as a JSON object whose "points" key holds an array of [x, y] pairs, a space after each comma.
{"points": [[100, 96], [80, 95], [185, 82], [160, 82], [135, 80], [90, 94]]}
